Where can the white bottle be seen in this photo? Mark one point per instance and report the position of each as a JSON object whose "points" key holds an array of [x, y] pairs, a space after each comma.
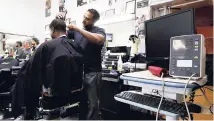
{"points": [[120, 64], [112, 64]]}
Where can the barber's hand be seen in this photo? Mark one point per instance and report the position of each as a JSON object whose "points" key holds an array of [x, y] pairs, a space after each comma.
{"points": [[72, 27], [60, 16]]}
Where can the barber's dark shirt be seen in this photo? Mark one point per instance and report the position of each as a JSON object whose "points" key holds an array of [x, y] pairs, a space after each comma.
{"points": [[92, 51]]}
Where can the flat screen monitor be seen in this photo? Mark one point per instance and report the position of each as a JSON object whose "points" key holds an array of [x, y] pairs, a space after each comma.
{"points": [[158, 32], [109, 37]]}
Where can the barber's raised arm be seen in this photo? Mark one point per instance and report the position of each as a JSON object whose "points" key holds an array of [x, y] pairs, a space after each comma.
{"points": [[70, 34], [98, 38]]}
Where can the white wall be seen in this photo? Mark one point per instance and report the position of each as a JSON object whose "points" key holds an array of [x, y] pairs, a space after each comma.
{"points": [[121, 32], [54, 11], [23, 17], [121, 26]]}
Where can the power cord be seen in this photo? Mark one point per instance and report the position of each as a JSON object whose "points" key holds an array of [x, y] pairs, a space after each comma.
{"points": [[202, 89], [161, 97], [184, 96], [211, 105], [211, 108], [208, 88], [191, 99]]}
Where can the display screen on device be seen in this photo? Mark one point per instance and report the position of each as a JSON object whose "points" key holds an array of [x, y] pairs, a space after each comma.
{"points": [[184, 63], [178, 44]]}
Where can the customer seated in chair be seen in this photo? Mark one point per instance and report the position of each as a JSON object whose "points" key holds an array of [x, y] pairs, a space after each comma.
{"points": [[56, 64], [20, 53], [35, 44]]}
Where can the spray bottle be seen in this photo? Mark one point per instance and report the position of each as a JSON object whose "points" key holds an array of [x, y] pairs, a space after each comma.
{"points": [[120, 64]]}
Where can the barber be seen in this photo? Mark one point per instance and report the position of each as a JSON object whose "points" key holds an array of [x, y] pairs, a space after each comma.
{"points": [[91, 38]]}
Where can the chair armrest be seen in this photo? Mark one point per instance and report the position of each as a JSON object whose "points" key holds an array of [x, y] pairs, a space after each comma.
{"points": [[5, 94], [49, 111], [76, 90], [5, 69], [16, 68]]}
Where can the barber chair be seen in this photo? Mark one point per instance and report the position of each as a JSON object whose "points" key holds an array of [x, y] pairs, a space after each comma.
{"points": [[6, 79], [57, 106], [54, 107], [5, 95], [8, 74]]}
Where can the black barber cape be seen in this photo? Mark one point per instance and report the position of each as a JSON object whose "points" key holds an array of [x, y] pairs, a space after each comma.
{"points": [[56, 64]]}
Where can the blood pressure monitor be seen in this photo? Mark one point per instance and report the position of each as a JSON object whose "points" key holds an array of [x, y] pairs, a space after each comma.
{"points": [[187, 56]]}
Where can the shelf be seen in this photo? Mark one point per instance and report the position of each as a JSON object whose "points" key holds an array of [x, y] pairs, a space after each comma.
{"points": [[181, 4], [191, 3]]}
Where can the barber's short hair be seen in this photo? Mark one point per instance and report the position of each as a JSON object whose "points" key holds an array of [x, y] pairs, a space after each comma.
{"points": [[35, 40], [58, 25], [19, 42], [96, 15]]}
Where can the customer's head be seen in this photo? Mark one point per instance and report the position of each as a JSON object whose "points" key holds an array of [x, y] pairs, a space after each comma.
{"points": [[90, 18], [58, 28], [18, 44]]}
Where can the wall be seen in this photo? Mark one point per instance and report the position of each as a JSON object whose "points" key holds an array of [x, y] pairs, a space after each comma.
{"points": [[54, 11], [202, 19], [121, 32], [23, 17], [121, 26], [70, 5]]}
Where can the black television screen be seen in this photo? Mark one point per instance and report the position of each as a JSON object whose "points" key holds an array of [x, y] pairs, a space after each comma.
{"points": [[160, 30]]}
